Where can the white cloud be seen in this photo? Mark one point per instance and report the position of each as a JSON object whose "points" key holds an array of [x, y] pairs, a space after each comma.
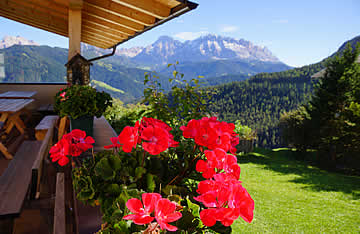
{"points": [[280, 21], [190, 35], [229, 28]]}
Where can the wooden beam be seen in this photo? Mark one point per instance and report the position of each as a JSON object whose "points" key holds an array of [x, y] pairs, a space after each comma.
{"points": [[32, 14], [122, 11], [31, 22], [150, 7], [109, 15], [50, 6], [98, 37], [95, 43], [74, 28], [104, 29], [102, 33], [87, 17]]}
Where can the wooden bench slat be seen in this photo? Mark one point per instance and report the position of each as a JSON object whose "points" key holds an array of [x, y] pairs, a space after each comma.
{"points": [[14, 182], [59, 210], [46, 123], [38, 163]]}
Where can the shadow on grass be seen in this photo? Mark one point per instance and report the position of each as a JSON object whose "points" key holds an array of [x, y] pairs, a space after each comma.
{"points": [[283, 161]]}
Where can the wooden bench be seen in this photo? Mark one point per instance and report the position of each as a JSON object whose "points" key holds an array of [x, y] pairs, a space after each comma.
{"points": [[45, 124], [14, 184], [59, 210], [47, 142]]}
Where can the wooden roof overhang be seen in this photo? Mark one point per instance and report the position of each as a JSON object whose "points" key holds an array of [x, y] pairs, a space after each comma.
{"points": [[104, 23]]}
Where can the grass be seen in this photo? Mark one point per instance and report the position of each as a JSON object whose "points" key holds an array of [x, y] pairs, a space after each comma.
{"points": [[293, 197], [106, 86]]}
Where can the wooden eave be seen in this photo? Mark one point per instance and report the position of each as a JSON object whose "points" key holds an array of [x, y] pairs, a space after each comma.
{"points": [[105, 23]]}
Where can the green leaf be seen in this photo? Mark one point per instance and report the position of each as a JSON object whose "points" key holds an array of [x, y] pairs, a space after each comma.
{"points": [[150, 182], [122, 227], [113, 189], [139, 172], [115, 162], [195, 209], [104, 169]]}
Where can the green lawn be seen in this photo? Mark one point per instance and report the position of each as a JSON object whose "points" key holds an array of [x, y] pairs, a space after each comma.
{"points": [[292, 197]]}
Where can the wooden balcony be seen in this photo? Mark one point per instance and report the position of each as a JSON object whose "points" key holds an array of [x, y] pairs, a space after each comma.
{"points": [[37, 213]]}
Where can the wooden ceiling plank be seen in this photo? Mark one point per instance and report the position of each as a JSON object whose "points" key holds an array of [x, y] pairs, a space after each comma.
{"points": [[104, 43], [94, 43], [87, 17], [32, 23], [101, 32], [103, 13], [32, 14], [45, 4], [99, 36], [122, 11], [150, 7], [105, 29]]}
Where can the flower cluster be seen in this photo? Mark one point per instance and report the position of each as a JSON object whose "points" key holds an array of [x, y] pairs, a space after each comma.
{"points": [[226, 199], [211, 133], [71, 144], [153, 135], [164, 211], [222, 192], [218, 161]]}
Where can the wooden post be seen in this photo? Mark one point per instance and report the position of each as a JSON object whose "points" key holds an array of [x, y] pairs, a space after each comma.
{"points": [[74, 17]]}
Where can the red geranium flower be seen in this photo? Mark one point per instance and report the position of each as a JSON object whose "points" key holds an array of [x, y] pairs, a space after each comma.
{"points": [[141, 213], [60, 151], [146, 122], [128, 138], [218, 161], [80, 142], [165, 213], [156, 140], [115, 144], [227, 200]]}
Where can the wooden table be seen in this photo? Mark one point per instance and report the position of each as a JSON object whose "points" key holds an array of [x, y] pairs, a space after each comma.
{"points": [[10, 111], [17, 94]]}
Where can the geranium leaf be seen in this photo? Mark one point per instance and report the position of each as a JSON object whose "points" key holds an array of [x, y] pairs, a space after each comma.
{"points": [[194, 208], [150, 182], [139, 172], [104, 169]]}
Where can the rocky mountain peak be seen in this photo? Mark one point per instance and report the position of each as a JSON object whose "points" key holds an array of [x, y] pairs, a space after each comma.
{"points": [[8, 41], [204, 48]]}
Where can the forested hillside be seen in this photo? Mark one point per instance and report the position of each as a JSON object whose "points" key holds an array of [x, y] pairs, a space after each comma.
{"points": [[259, 103]]}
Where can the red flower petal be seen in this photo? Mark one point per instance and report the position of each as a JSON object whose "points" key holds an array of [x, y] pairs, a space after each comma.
{"points": [[135, 205], [207, 216]]}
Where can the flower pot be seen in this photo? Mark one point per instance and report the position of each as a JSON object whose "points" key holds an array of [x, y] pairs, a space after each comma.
{"points": [[85, 123]]}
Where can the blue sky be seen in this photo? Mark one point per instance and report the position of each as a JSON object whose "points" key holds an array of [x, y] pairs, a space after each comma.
{"points": [[297, 32]]}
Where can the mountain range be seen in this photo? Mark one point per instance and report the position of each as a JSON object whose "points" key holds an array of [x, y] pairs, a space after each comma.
{"points": [[211, 56]]}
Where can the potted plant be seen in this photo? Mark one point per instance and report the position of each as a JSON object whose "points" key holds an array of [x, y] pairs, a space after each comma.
{"points": [[175, 174], [145, 184], [81, 103]]}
